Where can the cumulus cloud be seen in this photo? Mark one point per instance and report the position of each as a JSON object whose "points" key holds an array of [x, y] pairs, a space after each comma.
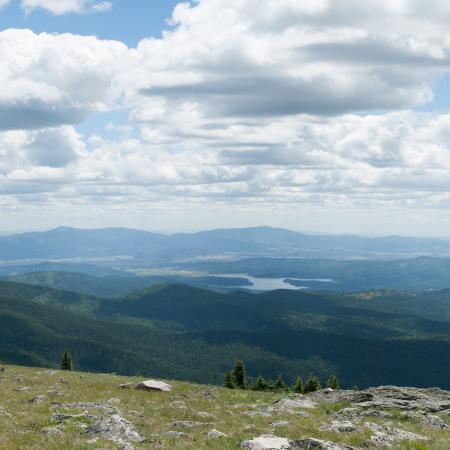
{"points": [[252, 58], [255, 102], [51, 80], [60, 7]]}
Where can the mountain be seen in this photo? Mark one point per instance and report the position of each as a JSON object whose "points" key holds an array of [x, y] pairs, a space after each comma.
{"points": [[69, 243], [53, 410], [189, 333]]}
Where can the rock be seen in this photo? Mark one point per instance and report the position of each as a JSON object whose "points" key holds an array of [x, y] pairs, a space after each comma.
{"points": [[52, 430], [267, 442], [280, 423], [432, 421], [215, 434], [189, 424], [270, 442], [350, 414], [384, 435], [178, 404], [114, 428], [61, 417], [2, 369], [204, 414], [86, 405], [23, 389], [337, 426], [38, 399], [244, 406], [153, 385], [123, 386], [3, 413], [114, 401], [175, 434], [257, 414], [293, 402], [317, 444]]}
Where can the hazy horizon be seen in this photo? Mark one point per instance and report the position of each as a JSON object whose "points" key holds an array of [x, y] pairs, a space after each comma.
{"points": [[199, 230]]}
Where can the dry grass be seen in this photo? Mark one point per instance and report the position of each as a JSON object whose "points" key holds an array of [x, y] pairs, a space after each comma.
{"points": [[152, 414]]}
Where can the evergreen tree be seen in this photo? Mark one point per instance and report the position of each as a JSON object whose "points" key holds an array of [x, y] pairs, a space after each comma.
{"points": [[333, 382], [298, 386], [239, 374], [280, 385], [260, 384], [312, 385], [355, 388], [66, 363], [229, 381]]}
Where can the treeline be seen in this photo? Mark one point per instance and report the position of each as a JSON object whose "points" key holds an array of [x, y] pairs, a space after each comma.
{"points": [[237, 379]]}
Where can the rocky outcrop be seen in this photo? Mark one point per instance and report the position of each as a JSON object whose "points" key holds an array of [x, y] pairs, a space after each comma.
{"points": [[154, 385], [384, 435], [270, 442], [391, 397], [106, 422]]}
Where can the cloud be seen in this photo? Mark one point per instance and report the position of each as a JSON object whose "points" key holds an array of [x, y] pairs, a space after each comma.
{"points": [[51, 80], [60, 7], [3, 3], [255, 104], [255, 59]]}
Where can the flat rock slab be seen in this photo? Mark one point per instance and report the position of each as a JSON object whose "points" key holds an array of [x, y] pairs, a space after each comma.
{"points": [[391, 397], [154, 385], [267, 442], [270, 442], [216, 434], [293, 402]]}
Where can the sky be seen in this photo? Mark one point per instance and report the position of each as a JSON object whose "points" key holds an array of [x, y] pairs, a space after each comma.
{"points": [[321, 115]]}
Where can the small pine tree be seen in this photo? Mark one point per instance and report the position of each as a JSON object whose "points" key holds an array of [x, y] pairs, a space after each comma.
{"points": [[312, 385], [229, 381], [239, 374], [333, 382], [298, 386], [280, 385], [260, 384], [66, 363], [355, 388]]}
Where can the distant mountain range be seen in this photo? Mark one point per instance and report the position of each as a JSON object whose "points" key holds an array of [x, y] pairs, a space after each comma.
{"points": [[65, 242]]}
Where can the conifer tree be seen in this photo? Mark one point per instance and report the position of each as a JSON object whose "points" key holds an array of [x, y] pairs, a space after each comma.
{"points": [[312, 385], [333, 382], [280, 385], [298, 386], [66, 363], [260, 384], [239, 374], [229, 381]]}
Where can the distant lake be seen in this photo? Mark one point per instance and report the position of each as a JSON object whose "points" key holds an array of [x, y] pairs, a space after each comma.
{"points": [[270, 284]]}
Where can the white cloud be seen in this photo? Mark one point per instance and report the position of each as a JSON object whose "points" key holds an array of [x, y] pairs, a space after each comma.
{"points": [[60, 7], [48, 80], [250, 103]]}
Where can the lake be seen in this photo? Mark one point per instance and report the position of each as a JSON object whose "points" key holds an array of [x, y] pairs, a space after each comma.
{"points": [[270, 284]]}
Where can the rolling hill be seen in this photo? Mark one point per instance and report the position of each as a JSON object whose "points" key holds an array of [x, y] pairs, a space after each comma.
{"points": [[184, 332]]}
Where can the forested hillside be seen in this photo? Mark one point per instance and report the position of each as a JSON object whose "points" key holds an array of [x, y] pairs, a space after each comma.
{"points": [[183, 332]]}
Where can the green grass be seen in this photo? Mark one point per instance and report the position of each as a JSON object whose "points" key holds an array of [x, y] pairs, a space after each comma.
{"points": [[152, 414]]}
